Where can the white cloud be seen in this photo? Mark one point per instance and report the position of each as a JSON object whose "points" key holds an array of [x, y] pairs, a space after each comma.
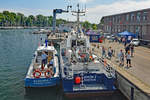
{"points": [[27, 12], [94, 14], [85, 1]]}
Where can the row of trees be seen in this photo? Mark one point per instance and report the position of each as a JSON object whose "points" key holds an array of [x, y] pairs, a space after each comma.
{"points": [[88, 25], [18, 19]]}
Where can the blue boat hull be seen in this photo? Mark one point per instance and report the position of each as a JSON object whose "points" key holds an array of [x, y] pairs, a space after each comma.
{"points": [[98, 83], [42, 82]]}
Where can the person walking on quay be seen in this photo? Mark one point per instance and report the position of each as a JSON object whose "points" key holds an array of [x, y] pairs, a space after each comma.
{"points": [[128, 59], [103, 52], [125, 43], [109, 53], [123, 39], [132, 50], [127, 48], [121, 58]]}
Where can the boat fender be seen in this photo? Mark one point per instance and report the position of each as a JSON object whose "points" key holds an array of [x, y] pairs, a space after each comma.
{"points": [[35, 73], [48, 73]]}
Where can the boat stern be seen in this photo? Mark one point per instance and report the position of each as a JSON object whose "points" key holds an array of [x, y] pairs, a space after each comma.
{"points": [[41, 82]]}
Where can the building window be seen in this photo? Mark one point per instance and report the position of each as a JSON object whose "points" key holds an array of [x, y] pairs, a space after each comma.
{"points": [[132, 17], [118, 19], [138, 16], [127, 17], [113, 19], [145, 16]]}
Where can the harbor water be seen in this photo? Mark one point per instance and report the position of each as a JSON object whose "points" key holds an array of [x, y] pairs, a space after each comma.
{"points": [[17, 48]]}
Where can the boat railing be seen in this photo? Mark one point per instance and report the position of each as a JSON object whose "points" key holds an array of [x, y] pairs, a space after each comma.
{"points": [[108, 68]]}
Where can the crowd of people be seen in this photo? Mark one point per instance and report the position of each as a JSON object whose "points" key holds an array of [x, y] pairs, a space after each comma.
{"points": [[127, 53]]}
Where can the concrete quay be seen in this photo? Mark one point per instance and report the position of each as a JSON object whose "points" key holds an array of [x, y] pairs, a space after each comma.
{"points": [[135, 81]]}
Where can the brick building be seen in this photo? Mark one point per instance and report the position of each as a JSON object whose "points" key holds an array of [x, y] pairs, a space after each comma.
{"points": [[137, 22]]}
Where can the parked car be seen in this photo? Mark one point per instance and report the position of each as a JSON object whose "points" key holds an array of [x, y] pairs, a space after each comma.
{"points": [[107, 35], [135, 42]]}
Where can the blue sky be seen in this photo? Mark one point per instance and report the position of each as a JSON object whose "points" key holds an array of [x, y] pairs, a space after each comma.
{"points": [[95, 8]]}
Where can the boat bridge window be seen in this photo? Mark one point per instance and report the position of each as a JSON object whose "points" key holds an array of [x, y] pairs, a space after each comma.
{"points": [[73, 43], [39, 53], [81, 43]]}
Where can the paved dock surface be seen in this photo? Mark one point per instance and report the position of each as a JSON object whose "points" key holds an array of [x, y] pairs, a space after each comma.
{"points": [[139, 73]]}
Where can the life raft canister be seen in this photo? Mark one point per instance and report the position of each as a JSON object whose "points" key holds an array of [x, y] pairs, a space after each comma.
{"points": [[91, 57], [77, 80], [105, 63], [37, 72], [48, 73], [100, 40]]}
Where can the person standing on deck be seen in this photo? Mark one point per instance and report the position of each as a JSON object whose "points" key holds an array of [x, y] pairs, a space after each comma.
{"points": [[51, 63], [44, 59]]}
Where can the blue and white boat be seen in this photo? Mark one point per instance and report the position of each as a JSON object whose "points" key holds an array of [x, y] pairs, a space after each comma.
{"points": [[39, 76], [82, 71]]}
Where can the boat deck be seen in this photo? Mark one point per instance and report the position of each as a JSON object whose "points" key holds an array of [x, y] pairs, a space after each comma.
{"points": [[88, 67]]}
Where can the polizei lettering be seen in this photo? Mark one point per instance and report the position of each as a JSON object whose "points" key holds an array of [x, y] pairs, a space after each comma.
{"points": [[89, 78]]}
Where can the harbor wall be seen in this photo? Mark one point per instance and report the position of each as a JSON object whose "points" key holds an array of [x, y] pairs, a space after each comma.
{"points": [[130, 90]]}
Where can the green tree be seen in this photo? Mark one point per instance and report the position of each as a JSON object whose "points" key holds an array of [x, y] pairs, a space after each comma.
{"points": [[29, 21], [33, 19], [7, 18], [12, 19], [86, 25], [94, 26], [50, 19], [60, 21], [2, 19], [20, 19], [39, 20]]}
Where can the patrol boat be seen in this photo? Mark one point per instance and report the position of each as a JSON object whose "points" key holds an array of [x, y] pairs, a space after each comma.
{"points": [[82, 71], [39, 75]]}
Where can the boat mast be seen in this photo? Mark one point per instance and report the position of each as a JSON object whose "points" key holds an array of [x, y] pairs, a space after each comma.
{"points": [[78, 13]]}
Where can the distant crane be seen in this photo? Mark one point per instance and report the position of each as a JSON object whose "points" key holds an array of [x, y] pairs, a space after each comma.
{"points": [[58, 11]]}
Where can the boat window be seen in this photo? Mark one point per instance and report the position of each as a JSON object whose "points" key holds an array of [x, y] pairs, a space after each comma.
{"points": [[73, 43], [81, 43], [39, 53]]}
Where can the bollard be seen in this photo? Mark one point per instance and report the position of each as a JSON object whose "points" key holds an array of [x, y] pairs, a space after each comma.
{"points": [[132, 93]]}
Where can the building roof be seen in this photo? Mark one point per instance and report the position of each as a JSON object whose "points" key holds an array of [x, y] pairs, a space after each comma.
{"points": [[127, 12]]}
